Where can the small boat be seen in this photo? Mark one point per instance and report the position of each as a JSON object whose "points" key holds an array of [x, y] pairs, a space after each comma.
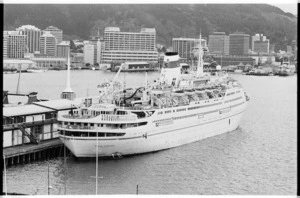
{"points": [[9, 70], [36, 70]]}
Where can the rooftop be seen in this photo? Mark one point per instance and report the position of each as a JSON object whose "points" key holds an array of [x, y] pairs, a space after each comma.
{"points": [[17, 61], [31, 27], [24, 110], [58, 104], [48, 34]]}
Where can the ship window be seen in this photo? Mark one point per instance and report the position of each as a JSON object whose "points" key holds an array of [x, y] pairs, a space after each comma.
{"points": [[85, 124], [92, 124]]}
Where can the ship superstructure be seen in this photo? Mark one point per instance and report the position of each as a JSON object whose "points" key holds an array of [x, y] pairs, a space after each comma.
{"points": [[180, 107]]}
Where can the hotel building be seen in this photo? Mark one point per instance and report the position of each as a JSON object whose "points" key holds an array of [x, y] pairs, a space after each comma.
{"points": [[129, 46]]}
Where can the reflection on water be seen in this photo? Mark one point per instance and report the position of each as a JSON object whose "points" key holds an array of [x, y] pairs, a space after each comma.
{"points": [[257, 158]]}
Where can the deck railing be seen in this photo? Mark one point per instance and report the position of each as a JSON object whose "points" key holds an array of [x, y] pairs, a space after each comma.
{"points": [[118, 117], [76, 127]]}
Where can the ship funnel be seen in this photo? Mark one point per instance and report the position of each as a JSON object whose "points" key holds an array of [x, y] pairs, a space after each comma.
{"points": [[171, 71]]}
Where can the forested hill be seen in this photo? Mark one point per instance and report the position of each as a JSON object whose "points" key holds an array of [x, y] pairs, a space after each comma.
{"points": [[169, 20]]}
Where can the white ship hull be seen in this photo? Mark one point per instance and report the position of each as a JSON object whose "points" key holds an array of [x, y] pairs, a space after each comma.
{"points": [[183, 132]]}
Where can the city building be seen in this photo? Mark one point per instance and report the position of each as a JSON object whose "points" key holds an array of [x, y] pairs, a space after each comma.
{"points": [[184, 47], [5, 38], [263, 59], [22, 64], [63, 49], [45, 61], [48, 44], [230, 60], [14, 44], [55, 32], [260, 44], [77, 60], [218, 43], [89, 54], [239, 43], [129, 46], [33, 35]]}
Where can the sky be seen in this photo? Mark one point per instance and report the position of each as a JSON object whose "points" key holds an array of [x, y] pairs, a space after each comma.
{"points": [[292, 8], [285, 5]]}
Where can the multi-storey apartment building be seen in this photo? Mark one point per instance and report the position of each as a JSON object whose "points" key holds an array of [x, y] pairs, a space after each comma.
{"points": [[55, 32], [14, 44], [48, 44], [260, 44], [33, 35], [184, 46], [239, 43], [63, 49], [218, 43], [129, 46]]}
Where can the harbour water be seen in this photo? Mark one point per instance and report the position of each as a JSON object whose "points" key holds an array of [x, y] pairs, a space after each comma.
{"points": [[259, 158]]}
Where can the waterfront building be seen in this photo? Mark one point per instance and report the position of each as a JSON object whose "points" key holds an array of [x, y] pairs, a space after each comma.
{"points": [[33, 35], [239, 43], [22, 64], [260, 44], [229, 60], [262, 59], [129, 46], [33, 123], [77, 60], [55, 32], [89, 54], [45, 61], [63, 49], [218, 43], [15, 45], [48, 44]]}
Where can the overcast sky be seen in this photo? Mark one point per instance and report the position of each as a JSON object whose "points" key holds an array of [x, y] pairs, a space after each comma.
{"points": [[292, 8], [285, 5]]}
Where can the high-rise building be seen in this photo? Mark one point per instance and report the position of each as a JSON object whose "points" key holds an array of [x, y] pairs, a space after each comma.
{"points": [[63, 49], [88, 51], [48, 44], [239, 43], [5, 37], [32, 37], [260, 44], [218, 43], [55, 32], [15, 44], [184, 46], [129, 46]]}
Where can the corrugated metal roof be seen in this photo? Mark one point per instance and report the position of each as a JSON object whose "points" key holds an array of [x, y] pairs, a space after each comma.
{"points": [[24, 110]]}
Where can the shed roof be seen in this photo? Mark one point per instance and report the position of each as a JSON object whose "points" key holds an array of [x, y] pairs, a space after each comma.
{"points": [[20, 110], [58, 104]]}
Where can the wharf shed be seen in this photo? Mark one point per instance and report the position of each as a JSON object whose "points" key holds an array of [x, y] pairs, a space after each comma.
{"points": [[33, 123]]}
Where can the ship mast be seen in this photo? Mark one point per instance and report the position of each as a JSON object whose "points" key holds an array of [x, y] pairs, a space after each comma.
{"points": [[200, 60], [68, 93]]}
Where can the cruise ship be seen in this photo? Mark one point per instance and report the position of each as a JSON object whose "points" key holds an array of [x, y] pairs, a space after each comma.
{"points": [[180, 107]]}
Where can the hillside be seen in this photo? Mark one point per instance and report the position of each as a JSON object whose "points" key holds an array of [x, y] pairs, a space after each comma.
{"points": [[170, 20]]}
